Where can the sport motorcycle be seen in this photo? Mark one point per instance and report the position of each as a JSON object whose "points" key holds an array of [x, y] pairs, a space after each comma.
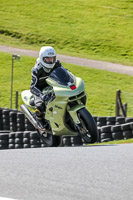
{"points": [[66, 113]]}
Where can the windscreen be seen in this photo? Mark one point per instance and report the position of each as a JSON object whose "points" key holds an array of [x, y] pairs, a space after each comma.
{"points": [[62, 76]]}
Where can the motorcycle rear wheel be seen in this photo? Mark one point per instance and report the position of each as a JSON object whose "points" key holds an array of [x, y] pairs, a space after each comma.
{"points": [[88, 128], [49, 140]]}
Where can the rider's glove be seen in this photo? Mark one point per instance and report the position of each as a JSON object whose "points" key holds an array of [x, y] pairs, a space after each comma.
{"points": [[46, 97]]}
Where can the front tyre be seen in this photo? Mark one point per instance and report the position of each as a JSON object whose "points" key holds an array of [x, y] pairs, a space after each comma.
{"points": [[88, 128]]}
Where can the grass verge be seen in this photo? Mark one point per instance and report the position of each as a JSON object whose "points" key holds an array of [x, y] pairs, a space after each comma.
{"points": [[126, 141]]}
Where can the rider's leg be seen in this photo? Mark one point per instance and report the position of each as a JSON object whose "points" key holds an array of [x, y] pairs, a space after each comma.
{"points": [[40, 109]]}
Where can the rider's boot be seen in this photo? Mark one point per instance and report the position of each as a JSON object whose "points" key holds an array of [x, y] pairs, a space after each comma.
{"points": [[40, 118]]}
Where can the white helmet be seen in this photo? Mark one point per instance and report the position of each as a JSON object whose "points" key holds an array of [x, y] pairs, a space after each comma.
{"points": [[47, 52]]}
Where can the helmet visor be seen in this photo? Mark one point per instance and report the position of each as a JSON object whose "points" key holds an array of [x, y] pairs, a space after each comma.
{"points": [[49, 60]]}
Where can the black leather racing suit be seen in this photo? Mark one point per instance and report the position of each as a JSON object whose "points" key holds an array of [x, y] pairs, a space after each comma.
{"points": [[38, 83]]}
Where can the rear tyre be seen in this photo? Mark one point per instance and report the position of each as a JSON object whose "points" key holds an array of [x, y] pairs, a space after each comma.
{"points": [[57, 141], [46, 138], [49, 140], [88, 126]]}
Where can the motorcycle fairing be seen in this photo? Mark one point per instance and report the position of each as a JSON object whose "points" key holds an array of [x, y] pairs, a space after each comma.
{"points": [[27, 96]]}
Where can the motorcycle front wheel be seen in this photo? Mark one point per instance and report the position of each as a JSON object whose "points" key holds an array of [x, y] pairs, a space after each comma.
{"points": [[88, 128]]}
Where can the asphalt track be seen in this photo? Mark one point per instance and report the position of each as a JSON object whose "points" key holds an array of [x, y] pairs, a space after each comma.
{"points": [[68, 173], [112, 67]]}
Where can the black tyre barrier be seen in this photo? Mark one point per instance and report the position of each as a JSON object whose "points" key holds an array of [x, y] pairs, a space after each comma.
{"points": [[13, 121], [26, 134], [11, 146], [76, 141], [18, 146], [128, 134], [12, 136], [2, 146], [66, 141], [26, 140], [116, 128], [18, 141], [120, 120], [5, 117], [36, 146], [101, 121], [106, 140], [128, 120], [106, 129], [106, 135], [126, 127], [1, 121], [34, 135], [110, 120], [131, 125], [26, 146], [28, 125], [11, 141], [17, 132], [30, 139], [117, 136], [20, 121], [35, 142], [4, 142]]}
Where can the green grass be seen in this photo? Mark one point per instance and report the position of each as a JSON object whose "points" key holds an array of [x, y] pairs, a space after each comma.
{"points": [[93, 29], [126, 141], [100, 85]]}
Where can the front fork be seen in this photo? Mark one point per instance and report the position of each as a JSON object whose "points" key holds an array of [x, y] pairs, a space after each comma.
{"points": [[77, 123], [73, 112]]}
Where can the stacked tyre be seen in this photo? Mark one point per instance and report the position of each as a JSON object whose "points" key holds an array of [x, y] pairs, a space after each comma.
{"points": [[18, 140], [76, 141], [127, 131], [35, 141], [1, 121], [4, 139], [128, 119], [117, 133], [26, 139], [111, 120], [28, 125], [66, 141], [5, 119], [105, 134], [13, 121], [120, 120], [12, 140], [20, 122], [101, 121]]}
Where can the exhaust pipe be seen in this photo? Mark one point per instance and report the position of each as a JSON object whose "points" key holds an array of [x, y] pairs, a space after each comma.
{"points": [[30, 117]]}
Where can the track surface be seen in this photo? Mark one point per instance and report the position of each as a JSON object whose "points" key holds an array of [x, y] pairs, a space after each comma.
{"points": [[122, 69], [68, 173]]}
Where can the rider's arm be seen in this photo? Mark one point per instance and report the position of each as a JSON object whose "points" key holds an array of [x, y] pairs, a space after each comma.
{"points": [[34, 83], [57, 64]]}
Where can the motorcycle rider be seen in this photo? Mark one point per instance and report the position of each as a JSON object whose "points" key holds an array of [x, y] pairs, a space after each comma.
{"points": [[44, 65]]}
